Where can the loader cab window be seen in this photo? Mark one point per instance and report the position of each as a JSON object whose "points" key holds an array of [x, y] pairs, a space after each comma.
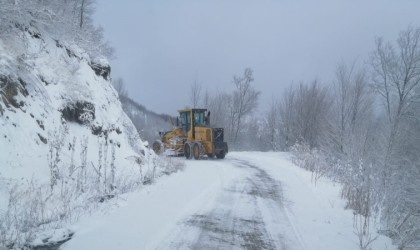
{"points": [[199, 118], [185, 121]]}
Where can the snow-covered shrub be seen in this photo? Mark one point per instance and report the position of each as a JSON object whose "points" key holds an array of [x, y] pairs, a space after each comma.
{"points": [[170, 165], [361, 226], [26, 214], [34, 207], [401, 212], [358, 190], [87, 116], [310, 159], [162, 166], [54, 155]]}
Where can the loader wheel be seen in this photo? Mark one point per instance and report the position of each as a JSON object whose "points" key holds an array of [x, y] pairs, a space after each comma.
{"points": [[221, 155], [187, 151], [196, 151], [157, 147]]}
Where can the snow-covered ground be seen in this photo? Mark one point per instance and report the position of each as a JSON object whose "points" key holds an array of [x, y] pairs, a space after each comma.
{"points": [[247, 201]]}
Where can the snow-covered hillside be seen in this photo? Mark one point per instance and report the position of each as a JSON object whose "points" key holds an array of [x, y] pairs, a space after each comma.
{"points": [[60, 96], [148, 123], [63, 132]]}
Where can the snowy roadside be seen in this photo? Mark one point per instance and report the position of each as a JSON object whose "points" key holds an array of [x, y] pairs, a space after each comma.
{"points": [[318, 212]]}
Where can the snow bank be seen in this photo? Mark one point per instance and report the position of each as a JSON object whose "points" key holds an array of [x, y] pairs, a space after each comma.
{"points": [[316, 210]]}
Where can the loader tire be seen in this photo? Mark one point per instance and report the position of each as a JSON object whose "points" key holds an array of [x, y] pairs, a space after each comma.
{"points": [[187, 151], [157, 147], [221, 155], [196, 151]]}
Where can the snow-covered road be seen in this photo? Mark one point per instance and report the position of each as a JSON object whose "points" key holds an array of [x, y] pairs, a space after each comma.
{"points": [[247, 201], [246, 213]]}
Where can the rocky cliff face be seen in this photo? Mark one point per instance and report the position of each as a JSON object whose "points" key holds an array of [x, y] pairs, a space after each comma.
{"points": [[58, 109]]}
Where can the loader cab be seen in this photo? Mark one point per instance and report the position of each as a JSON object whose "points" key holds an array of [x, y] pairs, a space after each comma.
{"points": [[191, 118]]}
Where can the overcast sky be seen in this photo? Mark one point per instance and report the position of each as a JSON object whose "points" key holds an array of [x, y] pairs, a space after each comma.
{"points": [[162, 47]]}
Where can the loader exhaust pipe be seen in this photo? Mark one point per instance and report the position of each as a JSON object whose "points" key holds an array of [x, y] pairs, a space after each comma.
{"points": [[193, 125], [208, 119]]}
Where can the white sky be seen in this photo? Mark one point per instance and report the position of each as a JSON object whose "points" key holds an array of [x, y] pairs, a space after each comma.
{"points": [[163, 46]]}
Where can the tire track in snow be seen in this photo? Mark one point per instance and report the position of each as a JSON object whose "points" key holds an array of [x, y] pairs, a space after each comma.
{"points": [[287, 214], [248, 214]]}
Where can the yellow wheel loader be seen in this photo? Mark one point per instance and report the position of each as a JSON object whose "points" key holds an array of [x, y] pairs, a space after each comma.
{"points": [[192, 137]]}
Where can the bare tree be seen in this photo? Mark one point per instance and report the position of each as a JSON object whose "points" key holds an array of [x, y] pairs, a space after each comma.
{"points": [[396, 76], [342, 92], [312, 108], [272, 127], [219, 105], [206, 99], [245, 100], [195, 96], [352, 111], [287, 120]]}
